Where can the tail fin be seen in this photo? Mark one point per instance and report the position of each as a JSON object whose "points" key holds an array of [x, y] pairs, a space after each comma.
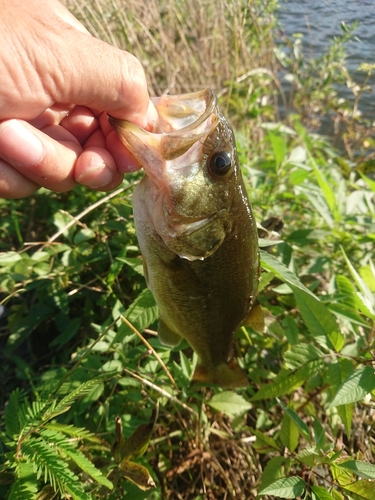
{"points": [[227, 375]]}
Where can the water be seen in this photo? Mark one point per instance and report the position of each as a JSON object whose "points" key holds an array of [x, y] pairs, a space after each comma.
{"points": [[320, 20]]}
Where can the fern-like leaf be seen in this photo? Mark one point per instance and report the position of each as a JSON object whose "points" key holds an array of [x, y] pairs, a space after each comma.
{"points": [[25, 485], [66, 402], [72, 431], [15, 415], [52, 467], [59, 442]]}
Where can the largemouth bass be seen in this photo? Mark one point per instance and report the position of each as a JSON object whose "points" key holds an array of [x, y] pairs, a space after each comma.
{"points": [[196, 230]]}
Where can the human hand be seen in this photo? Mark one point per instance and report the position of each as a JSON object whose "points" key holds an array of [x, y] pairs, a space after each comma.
{"points": [[58, 84]]}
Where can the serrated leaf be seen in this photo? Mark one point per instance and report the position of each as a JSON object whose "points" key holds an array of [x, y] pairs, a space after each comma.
{"points": [[230, 403], [355, 387], [278, 269], [134, 262], [287, 381], [264, 443], [308, 456], [362, 469], [300, 354], [319, 493], [319, 320], [289, 434], [346, 414], [273, 471], [186, 366], [319, 434], [287, 487], [82, 235], [359, 281], [297, 420], [138, 474], [325, 187], [363, 489], [141, 313], [9, 258]]}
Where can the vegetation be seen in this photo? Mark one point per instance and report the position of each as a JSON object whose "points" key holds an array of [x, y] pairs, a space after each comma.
{"points": [[81, 367]]}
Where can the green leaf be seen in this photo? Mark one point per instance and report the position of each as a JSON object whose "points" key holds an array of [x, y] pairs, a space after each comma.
{"points": [[364, 489], [82, 235], [186, 366], [273, 471], [319, 493], [355, 387], [360, 283], [71, 430], [25, 485], [15, 412], [287, 487], [278, 269], [319, 434], [301, 426], [9, 258], [278, 142], [141, 313], [53, 468], [135, 263], [317, 200], [363, 469], [308, 456], [300, 354], [264, 443], [230, 403], [289, 433], [319, 320], [60, 442], [346, 414], [326, 189], [287, 381]]}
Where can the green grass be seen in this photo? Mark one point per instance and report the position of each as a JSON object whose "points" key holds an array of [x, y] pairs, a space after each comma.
{"points": [[71, 281]]}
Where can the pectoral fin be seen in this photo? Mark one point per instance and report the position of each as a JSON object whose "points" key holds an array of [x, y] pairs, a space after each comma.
{"points": [[166, 335], [255, 319]]}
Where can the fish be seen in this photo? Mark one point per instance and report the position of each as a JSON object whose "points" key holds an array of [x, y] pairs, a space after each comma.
{"points": [[196, 230]]}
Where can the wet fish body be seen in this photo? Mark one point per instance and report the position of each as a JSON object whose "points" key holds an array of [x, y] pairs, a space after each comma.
{"points": [[196, 230]]}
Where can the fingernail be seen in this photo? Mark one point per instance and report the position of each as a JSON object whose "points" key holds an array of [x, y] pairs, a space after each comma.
{"points": [[19, 144], [96, 177]]}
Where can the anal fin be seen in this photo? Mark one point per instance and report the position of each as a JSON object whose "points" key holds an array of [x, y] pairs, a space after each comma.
{"points": [[166, 335], [255, 319]]}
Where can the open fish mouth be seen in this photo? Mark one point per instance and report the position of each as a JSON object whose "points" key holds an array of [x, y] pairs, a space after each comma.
{"points": [[183, 122], [183, 113]]}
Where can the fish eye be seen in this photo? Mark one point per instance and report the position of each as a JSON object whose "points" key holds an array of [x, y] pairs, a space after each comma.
{"points": [[220, 163]]}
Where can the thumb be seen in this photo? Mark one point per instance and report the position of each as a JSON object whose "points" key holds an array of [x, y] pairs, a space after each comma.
{"points": [[100, 76]]}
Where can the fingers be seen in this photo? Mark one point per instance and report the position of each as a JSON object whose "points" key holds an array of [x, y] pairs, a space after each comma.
{"points": [[51, 158], [38, 157], [96, 169], [14, 185]]}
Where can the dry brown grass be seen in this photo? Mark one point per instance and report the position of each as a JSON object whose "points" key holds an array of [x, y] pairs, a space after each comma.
{"points": [[185, 45]]}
